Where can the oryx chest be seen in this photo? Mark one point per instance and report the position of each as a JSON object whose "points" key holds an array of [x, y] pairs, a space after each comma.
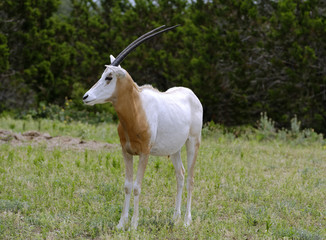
{"points": [[134, 130], [136, 140]]}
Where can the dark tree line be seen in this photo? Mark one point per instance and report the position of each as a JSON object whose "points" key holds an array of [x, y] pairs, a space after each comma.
{"points": [[240, 57]]}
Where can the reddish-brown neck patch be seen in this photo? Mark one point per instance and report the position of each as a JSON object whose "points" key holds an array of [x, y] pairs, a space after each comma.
{"points": [[133, 128]]}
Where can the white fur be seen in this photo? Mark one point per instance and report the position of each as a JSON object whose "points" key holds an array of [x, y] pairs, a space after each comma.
{"points": [[171, 115]]}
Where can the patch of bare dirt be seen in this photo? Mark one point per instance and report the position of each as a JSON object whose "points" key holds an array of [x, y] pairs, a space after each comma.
{"points": [[37, 138]]}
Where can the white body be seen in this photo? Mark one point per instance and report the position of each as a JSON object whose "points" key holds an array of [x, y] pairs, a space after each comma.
{"points": [[151, 122], [173, 117]]}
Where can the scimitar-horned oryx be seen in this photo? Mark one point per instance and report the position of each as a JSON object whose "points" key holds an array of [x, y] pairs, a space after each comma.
{"points": [[150, 122]]}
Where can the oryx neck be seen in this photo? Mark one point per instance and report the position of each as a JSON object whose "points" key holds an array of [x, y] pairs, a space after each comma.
{"points": [[133, 129]]}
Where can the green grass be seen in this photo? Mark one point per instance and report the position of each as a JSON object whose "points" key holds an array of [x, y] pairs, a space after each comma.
{"points": [[244, 189]]}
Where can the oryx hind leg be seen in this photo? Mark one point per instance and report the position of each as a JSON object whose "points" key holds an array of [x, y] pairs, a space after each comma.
{"points": [[179, 174], [192, 145]]}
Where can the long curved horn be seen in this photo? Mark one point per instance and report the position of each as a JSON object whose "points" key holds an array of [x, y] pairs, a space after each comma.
{"points": [[139, 41]]}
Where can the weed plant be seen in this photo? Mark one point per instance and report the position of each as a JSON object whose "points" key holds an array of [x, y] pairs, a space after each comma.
{"points": [[267, 131]]}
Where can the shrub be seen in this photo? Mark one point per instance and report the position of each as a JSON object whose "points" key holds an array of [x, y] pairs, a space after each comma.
{"points": [[265, 130]]}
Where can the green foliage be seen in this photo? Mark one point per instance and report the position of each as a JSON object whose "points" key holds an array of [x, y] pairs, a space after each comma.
{"points": [[241, 58], [4, 53]]}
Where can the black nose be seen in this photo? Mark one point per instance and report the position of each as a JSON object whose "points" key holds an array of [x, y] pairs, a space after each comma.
{"points": [[86, 96]]}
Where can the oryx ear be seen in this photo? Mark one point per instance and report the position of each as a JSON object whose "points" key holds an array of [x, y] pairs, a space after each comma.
{"points": [[120, 72], [112, 59]]}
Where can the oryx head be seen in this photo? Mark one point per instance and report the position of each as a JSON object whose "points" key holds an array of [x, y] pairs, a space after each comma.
{"points": [[103, 91]]}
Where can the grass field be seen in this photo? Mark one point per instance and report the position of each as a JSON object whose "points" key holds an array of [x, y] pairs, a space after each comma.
{"points": [[245, 188]]}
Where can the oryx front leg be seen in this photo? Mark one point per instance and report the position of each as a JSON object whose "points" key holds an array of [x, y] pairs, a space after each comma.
{"points": [[192, 151], [143, 159], [128, 159], [179, 174]]}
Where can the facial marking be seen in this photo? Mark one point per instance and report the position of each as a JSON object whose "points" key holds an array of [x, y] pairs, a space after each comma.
{"points": [[108, 78]]}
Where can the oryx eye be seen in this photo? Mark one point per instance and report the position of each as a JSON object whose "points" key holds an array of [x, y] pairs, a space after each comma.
{"points": [[108, 78]]}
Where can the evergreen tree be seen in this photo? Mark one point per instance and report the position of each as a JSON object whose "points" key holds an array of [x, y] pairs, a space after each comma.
{"points": [[240, 57]]}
